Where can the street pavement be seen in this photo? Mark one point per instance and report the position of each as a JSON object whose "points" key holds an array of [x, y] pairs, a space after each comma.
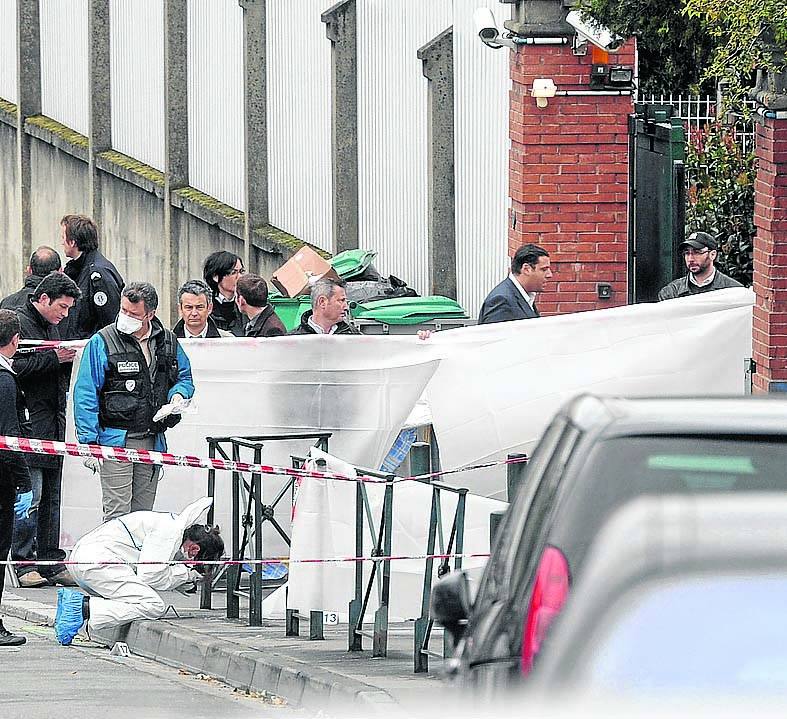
{"points": [[42, 679], [316, 676]]}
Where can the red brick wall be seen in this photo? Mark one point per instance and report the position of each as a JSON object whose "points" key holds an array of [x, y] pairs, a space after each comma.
{"points": [[770, 257], [568, 177]]}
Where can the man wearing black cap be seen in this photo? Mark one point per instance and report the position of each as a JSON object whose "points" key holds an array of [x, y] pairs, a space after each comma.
{"points": [[699, 254]]}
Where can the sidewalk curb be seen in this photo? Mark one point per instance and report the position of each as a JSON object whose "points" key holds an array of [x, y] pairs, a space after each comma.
{"points": [[165, 642]]}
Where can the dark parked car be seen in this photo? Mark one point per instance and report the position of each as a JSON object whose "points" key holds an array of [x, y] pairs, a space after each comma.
{"points": [[596, 455], [683, 598]]}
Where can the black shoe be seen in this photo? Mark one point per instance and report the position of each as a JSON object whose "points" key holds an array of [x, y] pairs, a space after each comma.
{"points": [[10, 640]]}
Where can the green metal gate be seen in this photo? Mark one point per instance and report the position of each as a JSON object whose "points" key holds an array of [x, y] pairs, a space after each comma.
{"points": [[657, 199]]}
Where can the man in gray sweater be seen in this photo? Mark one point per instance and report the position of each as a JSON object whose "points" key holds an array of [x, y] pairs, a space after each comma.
{"points": [[699, 253]]}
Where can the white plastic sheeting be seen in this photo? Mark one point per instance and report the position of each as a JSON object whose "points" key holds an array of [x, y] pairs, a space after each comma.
{"points": [[515, 375], [324, 528], [492, 388], [215, 102], [482, 87], [8, 50], [137, 65], [299, 120], [252, 387], [65, 94]]}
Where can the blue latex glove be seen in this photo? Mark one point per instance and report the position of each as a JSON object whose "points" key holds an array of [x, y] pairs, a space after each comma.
{"points": [[24, 501]]}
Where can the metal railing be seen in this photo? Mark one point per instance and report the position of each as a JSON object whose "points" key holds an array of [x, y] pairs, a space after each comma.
{"points": [[249, 514], [698, 111]]}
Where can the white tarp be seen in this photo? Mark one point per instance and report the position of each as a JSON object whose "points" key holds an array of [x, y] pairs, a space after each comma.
{"points": [[500, 384], [491, 389], [324, 527], [359, 388]]}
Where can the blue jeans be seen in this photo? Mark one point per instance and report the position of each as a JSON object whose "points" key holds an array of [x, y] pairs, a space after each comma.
{"points": [[38, 535]]}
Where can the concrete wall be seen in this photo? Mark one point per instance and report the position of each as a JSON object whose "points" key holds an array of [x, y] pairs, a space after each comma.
{"points": [[132, 234], [59, 186], [11, 262]]}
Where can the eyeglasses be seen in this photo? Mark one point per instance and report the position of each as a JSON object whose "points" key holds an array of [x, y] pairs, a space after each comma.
{"points": [[695, 253], [241, 271]]}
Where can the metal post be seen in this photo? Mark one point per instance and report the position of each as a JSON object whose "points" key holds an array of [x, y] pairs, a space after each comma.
{"points": [[233, 577], [292, 624], [355, 640], [514, 474], [420, 460], [380, 640], [459, 525], [316, 630], [206, 592], [255, 576], [420, 657]]}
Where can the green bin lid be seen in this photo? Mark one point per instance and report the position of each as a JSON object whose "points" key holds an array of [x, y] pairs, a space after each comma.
{"points": [[409, 310], [351, 263], [289, 309]]}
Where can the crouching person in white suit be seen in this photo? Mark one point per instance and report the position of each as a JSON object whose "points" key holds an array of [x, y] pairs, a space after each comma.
{"points": [[111, 566]]}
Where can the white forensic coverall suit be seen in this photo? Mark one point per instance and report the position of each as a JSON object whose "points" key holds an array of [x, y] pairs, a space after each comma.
{"points": [[122, 593]]}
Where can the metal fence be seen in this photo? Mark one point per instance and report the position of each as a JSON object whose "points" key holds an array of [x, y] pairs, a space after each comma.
{"points": [[8, 60], [215, 99], [698, 111], [64, 75], [137, 85]]}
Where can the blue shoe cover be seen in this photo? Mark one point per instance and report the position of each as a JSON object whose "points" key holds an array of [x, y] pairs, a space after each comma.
{"points": [[270, 570], [68, 618]]}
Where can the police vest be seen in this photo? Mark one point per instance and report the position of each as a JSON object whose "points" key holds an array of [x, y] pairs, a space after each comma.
{"points": [[130, 397]]}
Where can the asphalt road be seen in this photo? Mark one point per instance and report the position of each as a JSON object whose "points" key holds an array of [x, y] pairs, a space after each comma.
{"points": [[42, 679]]}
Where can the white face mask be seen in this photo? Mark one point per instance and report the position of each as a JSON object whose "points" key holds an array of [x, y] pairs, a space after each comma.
{"points": [[128, 325]]}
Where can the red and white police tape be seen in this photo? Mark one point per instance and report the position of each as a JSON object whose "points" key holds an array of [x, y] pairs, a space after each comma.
{"points": [[144, 456], [236, 562]]}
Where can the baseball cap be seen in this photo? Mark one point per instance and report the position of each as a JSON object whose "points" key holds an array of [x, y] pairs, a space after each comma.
{"points": [[699, 241]]}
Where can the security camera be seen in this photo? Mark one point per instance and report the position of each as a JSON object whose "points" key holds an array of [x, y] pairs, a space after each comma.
{"points": [[486, 26], [588, 30]]}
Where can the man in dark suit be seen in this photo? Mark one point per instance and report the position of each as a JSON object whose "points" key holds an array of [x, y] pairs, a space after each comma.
{"points": [[251, 295], [515, 297]]}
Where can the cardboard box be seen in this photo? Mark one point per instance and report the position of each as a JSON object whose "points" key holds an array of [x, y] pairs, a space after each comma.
{"points": [[297, 275]]}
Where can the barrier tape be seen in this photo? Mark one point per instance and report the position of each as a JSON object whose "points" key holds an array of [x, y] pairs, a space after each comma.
{"points": [[145, 456], [239, 562]]}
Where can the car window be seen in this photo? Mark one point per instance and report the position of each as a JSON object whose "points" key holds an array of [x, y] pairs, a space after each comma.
{"points": [[620, 469], [543, 502], [722, 634], [495, 577]]}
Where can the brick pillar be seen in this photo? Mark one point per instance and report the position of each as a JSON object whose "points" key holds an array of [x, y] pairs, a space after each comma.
{"points": [[770, 256], [568, 176]]}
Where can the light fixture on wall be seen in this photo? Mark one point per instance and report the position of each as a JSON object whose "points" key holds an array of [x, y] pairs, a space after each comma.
{"points": [[543, 88]]}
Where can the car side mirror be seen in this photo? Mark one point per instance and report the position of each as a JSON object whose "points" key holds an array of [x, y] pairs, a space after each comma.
{"points": [[451, 603]]}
